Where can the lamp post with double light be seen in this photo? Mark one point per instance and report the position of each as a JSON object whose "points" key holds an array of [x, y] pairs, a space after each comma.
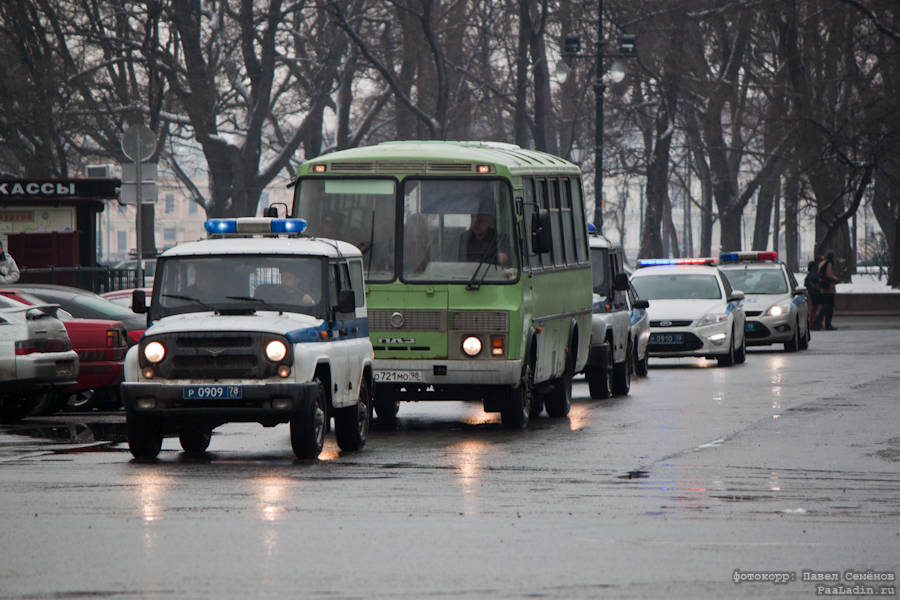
{"points": [[571, 49]]}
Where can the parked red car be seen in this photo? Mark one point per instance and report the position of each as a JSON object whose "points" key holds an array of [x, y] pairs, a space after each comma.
{"points": [[101, 345]]}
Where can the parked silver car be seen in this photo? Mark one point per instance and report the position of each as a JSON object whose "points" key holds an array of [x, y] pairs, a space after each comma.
{"points": [[35, 356]]}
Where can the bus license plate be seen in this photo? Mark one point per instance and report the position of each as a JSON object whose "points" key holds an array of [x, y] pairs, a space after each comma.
{"points": [[666, 338], [212, 392], [399, 376]]}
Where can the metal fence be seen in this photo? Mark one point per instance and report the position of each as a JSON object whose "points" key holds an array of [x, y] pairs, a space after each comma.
{"points": [[95, 279]]}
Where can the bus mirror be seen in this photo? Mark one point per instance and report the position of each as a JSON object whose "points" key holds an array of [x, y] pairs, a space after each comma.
{"points": [[540, 232]]}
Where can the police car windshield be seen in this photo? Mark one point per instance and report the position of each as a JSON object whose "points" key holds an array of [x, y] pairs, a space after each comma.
{"points": [[241, 282], [756, 281], [676, 286]]}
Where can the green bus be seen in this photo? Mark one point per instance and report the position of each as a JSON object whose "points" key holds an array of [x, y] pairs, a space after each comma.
{"points": [[478, 276]]}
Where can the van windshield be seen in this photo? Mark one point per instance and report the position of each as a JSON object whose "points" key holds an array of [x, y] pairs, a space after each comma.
{"points": [[243, 282]]}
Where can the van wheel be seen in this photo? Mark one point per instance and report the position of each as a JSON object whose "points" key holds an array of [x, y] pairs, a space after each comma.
{"points": [[641, 366], [517, 408], [598, 375], [621, 381], [144, 437], [308, 430], [351, 423], [195, 440]]}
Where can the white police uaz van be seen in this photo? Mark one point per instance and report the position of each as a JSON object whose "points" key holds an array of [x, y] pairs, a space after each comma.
{"points": [[254, 324]]}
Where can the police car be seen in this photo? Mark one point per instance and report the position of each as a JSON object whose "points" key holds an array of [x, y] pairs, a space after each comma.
{"points": [[776, 306], [694, 311], [619, 330], [254, 324]]}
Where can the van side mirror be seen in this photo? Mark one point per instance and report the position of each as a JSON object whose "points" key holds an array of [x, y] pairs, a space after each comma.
{"points": [[620, 283], [641, 304], [139, 301], [346, 301], [540, 232]]}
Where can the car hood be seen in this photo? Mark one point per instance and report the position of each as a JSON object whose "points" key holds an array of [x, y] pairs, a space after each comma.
{"points": [[764, 301], [671, 310], [261, 321]]}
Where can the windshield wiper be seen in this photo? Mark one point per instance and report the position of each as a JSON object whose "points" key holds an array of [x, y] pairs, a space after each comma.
{"points": [[473, 284], [250, 299], [189, 299]]}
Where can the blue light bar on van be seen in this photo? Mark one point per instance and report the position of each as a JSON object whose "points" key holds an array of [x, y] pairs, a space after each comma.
{"points": [[651, 262], [245, 225], [592, 228]]}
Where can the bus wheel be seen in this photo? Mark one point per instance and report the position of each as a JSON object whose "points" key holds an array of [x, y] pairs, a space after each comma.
{"points": [[559, 400], [597, 375], [517, 408], [308, 430], [386, 406]]}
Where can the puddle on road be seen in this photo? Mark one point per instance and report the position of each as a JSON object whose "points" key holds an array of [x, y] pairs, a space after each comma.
{"points": [[67, 433]]}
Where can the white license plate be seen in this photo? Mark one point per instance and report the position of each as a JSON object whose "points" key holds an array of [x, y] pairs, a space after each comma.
{"points": [[399, 376]]}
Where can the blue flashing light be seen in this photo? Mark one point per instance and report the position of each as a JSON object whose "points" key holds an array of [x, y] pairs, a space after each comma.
{"points": [[729, 257], [592, 229], [220, 226], [295, 226], [651, 262]]}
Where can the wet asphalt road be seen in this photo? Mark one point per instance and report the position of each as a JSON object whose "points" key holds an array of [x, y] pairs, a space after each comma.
{"points": [[787, 463]]}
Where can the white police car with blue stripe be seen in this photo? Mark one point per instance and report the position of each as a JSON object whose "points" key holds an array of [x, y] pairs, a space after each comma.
{"points": [[255, 324]]}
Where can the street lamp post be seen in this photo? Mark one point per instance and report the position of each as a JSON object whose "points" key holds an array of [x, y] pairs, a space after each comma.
{"points": [[572, 46]]}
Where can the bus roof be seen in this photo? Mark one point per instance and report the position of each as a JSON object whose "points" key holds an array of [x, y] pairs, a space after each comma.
{"points": [[432, 157]]}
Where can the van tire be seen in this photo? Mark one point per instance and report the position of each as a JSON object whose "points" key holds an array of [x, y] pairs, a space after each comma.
{"points": [[144, 437], [308, 429], [351, 423], [598, 375], [195, 440], [621, 379]]}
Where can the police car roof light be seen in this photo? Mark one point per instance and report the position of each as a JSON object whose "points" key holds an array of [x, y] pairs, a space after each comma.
{"points": [[650, 262], [749, 256], [246, 225]]}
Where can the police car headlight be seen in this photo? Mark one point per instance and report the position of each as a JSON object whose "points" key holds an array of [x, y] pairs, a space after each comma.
{"points": [[711, 319], [471, 346], [777, 310], [276, 350], [154, 352]]}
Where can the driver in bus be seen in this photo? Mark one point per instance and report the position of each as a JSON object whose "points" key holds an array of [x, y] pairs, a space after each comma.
{"points": [[480, 242]]}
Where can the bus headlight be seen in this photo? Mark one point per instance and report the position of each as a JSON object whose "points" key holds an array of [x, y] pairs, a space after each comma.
{"points": [[276, 350], [154, 352], [471, 346]]}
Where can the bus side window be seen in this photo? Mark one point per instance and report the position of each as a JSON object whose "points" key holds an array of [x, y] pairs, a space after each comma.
{"points": [[534, 259], [559, 258]]}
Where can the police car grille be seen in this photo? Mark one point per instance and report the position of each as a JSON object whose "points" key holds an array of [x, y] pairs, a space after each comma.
{"points": [[759, 331], [753, 313], [680, 323], [215, 355], [413, 320]]}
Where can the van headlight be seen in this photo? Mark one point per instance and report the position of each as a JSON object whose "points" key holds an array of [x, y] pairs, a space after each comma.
{"points": [[471, 346], [154, 352], [276, 350]]}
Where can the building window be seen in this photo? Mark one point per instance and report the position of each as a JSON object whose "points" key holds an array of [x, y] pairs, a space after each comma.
{"points": [[169, 234], [170, 204], [122, 241], [193, 207]]}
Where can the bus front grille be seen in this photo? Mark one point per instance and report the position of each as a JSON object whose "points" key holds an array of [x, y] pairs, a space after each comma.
{"points": [[409, 320], [480, 320]]}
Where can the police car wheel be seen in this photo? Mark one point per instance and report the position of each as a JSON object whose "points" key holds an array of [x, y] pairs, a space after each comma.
{"points": [[727, 359], [804, 339], [740, 355], [308, 429], [144, 437], [517, 408], [351, 423], [195, 441], [793, 344]]}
